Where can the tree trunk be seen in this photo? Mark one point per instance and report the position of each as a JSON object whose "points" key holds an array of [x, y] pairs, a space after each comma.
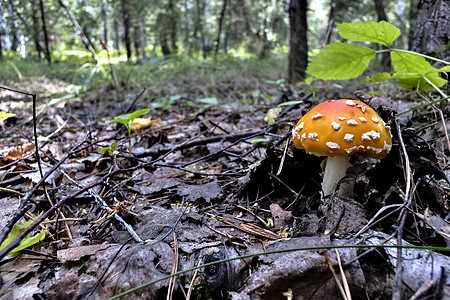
{"points": [[331, 22], [12, 28], [219, 31], [162, 33], [298, 55], [116, 34], [136, 41], [432, 33], [126, 28], [379, 8], [35, 21], [44, 29], [83, 36], [173, 26], [142, 37], [104, 21], [400, 20], [385, 57], [412, 22]]}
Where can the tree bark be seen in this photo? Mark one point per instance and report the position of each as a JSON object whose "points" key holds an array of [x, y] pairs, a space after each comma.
{"points": [[12, 28], [173, 26], [126, 27], [379, 8], [162, 33], [331, 22], [44, 29], [432, 33], [298, 55], [142, 36], [136, 41], [385, 57], [83, 36], [116, 34], [104, 21], [220, 21], [412, 22], [35, 21]]}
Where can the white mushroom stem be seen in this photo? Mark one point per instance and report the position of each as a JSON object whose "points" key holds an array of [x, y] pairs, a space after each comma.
{"points": [[335, 168]]}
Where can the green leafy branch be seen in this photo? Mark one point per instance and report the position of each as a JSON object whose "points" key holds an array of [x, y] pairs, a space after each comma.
{"points": [[340, 61], [28, 241], [126, 120]]}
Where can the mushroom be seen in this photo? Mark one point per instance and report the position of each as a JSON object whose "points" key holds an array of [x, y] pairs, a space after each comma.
{"points": [[338, 129]]}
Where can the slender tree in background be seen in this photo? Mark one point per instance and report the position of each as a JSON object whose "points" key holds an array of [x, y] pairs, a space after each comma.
{"points": [[298, 55], [44, 29], [220, 25], [142, 33], [126, 27], [80, 30], [379, 8], [1, 30], [331, 22], [13, 28], [35, 22], [412, 22], [173, 24], [116, 34], [104, 21], [432, 33], [136, 40], [381, 14], [161, 21]]}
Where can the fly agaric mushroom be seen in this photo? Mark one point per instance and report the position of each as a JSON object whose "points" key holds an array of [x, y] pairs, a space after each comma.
{"points": [[338, 129]]}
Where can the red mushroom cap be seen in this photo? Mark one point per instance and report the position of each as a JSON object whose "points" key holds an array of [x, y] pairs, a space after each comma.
{"points": [[342, 128]]}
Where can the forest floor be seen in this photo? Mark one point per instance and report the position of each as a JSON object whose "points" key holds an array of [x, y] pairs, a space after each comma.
{"points": [[198, 181]]}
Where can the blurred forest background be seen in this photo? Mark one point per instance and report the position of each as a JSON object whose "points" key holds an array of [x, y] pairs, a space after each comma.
{"points": [[179, 40]]}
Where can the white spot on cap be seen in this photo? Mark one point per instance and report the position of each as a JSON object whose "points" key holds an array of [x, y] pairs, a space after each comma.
{"points": [[350, 103], [364, 120], [342, 118], [363, 108], [349, 137], [376, 150], [300, 126], [354, 149], [303, 136], [371, 135], [335, 125], [294, 132], [375, 120], [352, 122], [332, 145], [316, 116], [313, 136]]}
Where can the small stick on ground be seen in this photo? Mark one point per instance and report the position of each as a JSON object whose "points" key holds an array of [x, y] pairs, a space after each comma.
{"points": [[336, 278]]}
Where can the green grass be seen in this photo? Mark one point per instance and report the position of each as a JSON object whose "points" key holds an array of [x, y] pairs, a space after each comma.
{"points": [[162, 74]]}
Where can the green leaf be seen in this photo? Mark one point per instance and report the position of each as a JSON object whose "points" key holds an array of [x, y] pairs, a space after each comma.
{"points": [[445, 69], [381, 77], [208, 101], [382, 32], [261, 140], [27, 241], [138, 113], [415, 67], [4, 116], [338, 61], [125, 119], [287, 103]]}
